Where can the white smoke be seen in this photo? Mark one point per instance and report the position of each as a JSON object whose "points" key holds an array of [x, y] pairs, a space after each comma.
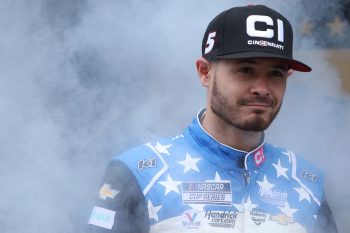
{"points": [[84, 80]]}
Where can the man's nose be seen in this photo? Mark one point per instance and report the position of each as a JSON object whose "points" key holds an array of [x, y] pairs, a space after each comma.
{"points": [[260, 87]]}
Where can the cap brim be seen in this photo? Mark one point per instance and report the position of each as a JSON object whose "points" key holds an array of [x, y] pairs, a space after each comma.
{"points": [[293, 64]]}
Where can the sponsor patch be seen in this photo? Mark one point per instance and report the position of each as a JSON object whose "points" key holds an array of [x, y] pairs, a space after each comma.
{"points": [[258, 216], [207, 193], [309, 176], [282, 219], [226, 219], [107, 192], [146, 163], [190, 220], [102, 217], [275, 197], [259, 157]]}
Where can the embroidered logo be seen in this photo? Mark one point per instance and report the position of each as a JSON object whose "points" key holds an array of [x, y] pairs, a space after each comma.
{"points": [[309, 176], [107, 192], [259, 157], [146, 163], [226, 219], [282, 219], [207, 192], [102, 217], [275, 197], [258, 216], [189, 220]]}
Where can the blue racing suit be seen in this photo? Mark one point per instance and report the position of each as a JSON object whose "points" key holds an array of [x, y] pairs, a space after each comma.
{"points": [[193, 183]]}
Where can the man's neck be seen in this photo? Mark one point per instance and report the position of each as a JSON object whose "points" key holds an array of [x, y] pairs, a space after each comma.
{"points": [[230, 135]]}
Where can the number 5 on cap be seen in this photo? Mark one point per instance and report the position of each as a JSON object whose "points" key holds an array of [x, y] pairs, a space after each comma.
{"points": [[210, 42]]}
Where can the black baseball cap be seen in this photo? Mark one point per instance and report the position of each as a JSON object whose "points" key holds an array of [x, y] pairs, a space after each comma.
{"points": [[254, 31]]}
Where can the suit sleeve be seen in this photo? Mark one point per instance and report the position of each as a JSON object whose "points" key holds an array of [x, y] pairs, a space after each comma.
{"points": [[120, 207], [325, 222]]}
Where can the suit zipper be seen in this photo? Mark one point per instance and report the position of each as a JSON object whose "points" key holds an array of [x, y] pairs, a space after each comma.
{"points": [[246, 178]]}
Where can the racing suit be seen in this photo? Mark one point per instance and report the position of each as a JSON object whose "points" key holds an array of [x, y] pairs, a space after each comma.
{"points": [[193, 183]]}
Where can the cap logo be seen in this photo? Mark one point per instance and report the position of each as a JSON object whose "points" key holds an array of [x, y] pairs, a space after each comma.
{"points": [[269, 32]]}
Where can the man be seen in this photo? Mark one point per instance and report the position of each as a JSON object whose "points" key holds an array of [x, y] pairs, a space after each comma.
{"points": [[220, 175]]}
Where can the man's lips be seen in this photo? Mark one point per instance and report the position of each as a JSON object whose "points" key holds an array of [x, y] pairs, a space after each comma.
{"points": [[266, 105], [257, 102]]}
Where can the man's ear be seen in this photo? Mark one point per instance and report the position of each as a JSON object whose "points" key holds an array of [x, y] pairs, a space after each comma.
{"points": [[203, 68], [290, 71]]}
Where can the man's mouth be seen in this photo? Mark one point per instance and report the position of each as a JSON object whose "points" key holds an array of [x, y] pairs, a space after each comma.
{"points": [[267, 105], [257, 102]]}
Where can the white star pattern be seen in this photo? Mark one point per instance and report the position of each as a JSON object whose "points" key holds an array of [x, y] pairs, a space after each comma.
{"points": [[287, 210], [199, 185], [162, 149], [170, 185], [239, 207], [303, 194], [248, 205], [281, 171], [265, 186], [189, 163], [153, 210], [217, 177]]}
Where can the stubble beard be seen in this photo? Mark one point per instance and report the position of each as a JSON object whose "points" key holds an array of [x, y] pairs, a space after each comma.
{"points": [[231, 114]]}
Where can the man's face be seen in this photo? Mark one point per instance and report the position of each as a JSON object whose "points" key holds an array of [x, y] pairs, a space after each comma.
{"points": [[247, 93]]}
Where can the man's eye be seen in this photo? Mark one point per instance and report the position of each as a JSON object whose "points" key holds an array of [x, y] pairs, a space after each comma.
{"points": [[277, 73], [247, 70]]}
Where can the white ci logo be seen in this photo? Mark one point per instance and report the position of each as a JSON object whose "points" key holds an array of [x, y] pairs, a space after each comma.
{"points": [[268, 33]]}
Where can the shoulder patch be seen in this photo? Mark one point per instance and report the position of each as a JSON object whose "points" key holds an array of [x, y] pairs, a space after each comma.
{"points": [[102, 217], [309, 176], [147, 162]]}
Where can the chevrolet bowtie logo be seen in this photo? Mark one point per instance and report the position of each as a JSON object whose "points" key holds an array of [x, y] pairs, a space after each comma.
{"points": [[107, 191], [282, 219]]}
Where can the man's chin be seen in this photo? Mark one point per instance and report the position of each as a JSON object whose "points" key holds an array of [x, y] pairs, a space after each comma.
{"points": [[257, 124]]}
